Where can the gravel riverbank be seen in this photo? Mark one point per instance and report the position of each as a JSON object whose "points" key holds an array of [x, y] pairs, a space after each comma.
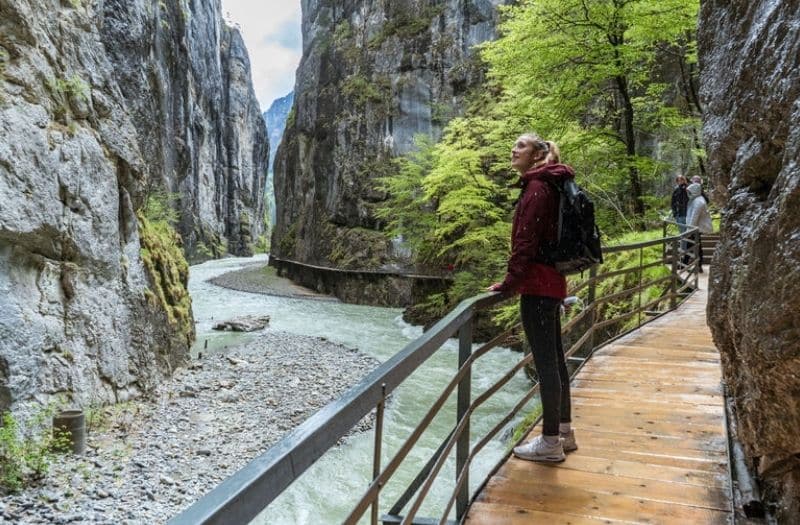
{"points": [[260, 278], [148, 460]]}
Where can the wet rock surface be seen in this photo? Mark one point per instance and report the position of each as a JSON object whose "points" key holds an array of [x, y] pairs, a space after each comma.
{"points": [[247, 323], [146, 461], [751, 92], [101, 103]]}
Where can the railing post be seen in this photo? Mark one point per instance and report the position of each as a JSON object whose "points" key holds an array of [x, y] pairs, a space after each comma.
{"points": [[698, 253], [673, 283], [641, 271], [591, 297], [376, 459], [464, 401]]}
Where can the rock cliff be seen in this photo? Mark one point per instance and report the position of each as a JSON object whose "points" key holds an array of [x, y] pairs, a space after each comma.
{"points": [[751, 91], [185, 77], [101, 103], [373, 75]]}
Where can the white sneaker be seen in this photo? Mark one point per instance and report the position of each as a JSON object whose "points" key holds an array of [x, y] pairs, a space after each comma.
{"points": [[568, 441], [538, 449]]}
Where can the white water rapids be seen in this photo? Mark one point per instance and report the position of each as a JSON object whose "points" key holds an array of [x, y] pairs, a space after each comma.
{"points": [[332, 486]]}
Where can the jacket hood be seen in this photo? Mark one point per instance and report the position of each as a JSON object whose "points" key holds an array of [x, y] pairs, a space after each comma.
{"points": [[694, 190], [551, 172]]}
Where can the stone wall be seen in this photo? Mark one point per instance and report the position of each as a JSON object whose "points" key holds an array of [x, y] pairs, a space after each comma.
{"points": [[101, 103], [750, 76], [373, 75]]}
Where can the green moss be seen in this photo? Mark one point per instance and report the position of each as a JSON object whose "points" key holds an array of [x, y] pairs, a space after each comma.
{"points": [[525, 425], [3, 61], [357, 248], [361, 90], [288, 242], [163, 258], [406, 24], [62, 89]]}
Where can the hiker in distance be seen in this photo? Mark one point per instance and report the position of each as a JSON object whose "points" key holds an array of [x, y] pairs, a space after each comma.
{"points": [[542, 289]]}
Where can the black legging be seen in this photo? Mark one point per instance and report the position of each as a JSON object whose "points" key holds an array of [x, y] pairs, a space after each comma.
{"points": [[541, 319]]}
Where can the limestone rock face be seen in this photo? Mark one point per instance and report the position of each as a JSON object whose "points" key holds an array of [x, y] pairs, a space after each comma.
{"points": [[185, 76], [94, 114], [751, 90], [373, 75]]}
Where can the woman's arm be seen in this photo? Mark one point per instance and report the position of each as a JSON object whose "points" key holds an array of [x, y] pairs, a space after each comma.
{"points": [[536, 213]]}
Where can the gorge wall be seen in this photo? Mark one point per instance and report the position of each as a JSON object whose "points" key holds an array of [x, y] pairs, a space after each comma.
{"points": [[373, 75], [750, 63], [101, 104]]}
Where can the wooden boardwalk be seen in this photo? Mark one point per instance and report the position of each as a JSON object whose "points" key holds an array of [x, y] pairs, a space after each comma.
{"points": [[649, 421]]}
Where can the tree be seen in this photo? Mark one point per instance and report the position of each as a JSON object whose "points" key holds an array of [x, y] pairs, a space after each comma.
{"points": [[609, 80], [593, 67]]}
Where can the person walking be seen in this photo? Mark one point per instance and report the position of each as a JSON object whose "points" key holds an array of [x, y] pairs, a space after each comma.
{"points": [[542, 290], [697, 216], [680, 199]]}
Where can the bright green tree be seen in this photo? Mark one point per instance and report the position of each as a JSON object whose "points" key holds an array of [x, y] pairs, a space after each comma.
{"points": [[592, 75], [596, 77]]}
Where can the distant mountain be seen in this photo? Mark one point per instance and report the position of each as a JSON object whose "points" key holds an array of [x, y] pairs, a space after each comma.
{"points": [[275, 117]]}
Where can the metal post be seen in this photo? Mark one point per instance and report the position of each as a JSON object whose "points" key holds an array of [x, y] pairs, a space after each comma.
{"points": [[464, 401], [592, 295], [641, 262], [376, 460], [698, 253], [673, 283]]}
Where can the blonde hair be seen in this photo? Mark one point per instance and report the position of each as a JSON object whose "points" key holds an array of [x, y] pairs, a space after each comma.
{"points": [[552, 149]]}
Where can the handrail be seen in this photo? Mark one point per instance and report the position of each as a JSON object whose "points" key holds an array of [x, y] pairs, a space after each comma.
{"points": [[391, 273], [242, 496]]}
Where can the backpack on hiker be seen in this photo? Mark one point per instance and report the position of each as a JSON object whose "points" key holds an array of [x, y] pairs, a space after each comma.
{"points": [[577, 247]]}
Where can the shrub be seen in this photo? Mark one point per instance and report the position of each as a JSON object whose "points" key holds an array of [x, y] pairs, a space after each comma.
{"points": [[26, 449]]}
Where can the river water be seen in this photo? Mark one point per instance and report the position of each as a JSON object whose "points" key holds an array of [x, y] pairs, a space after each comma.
{"points": [[326, 492]]}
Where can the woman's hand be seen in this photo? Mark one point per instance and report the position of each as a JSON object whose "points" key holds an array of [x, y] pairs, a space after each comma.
{"points": [[495, 287]]}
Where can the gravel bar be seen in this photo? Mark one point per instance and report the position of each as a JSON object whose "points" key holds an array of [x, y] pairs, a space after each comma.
{"points": [[148, 460]]}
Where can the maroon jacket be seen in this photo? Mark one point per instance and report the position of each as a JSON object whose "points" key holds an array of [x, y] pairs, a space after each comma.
{"points": [[536, 222]]}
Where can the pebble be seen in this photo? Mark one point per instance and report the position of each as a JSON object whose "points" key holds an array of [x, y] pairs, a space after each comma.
{"points": [[253, 393]]}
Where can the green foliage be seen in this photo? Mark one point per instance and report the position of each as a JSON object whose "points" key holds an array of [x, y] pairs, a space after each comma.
{"points": [[27, 448], [362, 90], [3, 61], [290, 118], [586, 75], [527, 422], [63, 90], [162, 255], [406, 24]]}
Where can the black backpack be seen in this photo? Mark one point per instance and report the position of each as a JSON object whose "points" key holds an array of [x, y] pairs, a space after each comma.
{"points": [[578, 244]]}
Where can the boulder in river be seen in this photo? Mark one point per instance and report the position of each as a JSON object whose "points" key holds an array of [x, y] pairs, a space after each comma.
{"points": [[246, 323]]}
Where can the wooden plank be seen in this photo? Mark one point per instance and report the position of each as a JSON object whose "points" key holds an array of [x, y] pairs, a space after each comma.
{"points": [[711, 448], [606, 361], [714, 464], [649, 421], [595, 503], [481, 513], [642, 470], [520, 471], [606, 420], [646, 384], [648, 408], [670, 354], [694, 399], [635, 413]]}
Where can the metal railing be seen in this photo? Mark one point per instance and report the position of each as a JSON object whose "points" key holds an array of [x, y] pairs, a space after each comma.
{"points": [[245, 494]]}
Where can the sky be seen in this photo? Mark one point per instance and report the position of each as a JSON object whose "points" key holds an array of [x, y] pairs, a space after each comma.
{"points": [[271, 31]]}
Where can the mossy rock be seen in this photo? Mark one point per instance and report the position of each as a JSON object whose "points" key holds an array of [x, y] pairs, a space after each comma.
{"points": [[162, 256]]}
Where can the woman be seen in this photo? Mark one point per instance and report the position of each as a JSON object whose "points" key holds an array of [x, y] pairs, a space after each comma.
{"points": [[542, 291], [697, 215]]}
